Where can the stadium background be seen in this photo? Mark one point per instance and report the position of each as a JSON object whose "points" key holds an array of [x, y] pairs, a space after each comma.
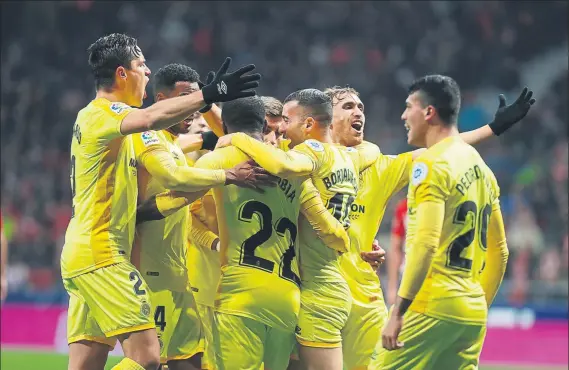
{"points": [[489, 47]]}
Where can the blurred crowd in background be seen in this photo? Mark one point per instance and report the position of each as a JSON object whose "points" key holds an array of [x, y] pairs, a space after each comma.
{"points": [[378, 48]]}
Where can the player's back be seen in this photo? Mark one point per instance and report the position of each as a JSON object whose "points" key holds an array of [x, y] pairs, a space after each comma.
{"points": [[455, 172], [336, 181], [104, 190], [257, 233]]}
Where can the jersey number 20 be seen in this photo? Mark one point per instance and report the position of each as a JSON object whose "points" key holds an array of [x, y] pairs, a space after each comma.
{"points": [[282, 225], [458, 245]]}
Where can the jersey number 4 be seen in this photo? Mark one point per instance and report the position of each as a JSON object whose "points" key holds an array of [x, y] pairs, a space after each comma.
{"points": [[282, 225], [462, 242]]}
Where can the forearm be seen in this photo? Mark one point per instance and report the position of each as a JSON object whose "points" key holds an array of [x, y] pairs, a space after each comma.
{"points": [[180, 178], [213, 119], [195, 142], [474, 137], [164, 204], [430, 216], [274, 160], [168, 112], [200, 235], [328, 229]]}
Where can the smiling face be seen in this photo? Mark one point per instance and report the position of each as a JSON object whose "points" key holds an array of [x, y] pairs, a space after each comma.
{"points": [[348, 119], [416, 117], [181, 88]]}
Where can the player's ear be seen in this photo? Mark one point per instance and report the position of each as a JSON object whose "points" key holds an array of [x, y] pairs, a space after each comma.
{"points": [[121, 73], [160, 96], [430, 112], [309, 123]]}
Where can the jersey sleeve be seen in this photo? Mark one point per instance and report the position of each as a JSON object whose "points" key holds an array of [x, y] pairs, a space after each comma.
{"points": [[300, 161], [328, 229], [497, 250], [108, 125], [153, 154], [430, 218], [364, 155], [429, 181], [200, 234], [393, 172]]}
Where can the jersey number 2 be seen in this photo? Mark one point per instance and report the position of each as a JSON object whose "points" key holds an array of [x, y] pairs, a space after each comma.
{"points": [[458, 245], [265, 215]]}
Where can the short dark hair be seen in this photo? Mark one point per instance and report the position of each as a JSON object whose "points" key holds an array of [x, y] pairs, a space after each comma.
{"points": [[108, 53], [442, 92], [244, 114], [167, 76], [273, 106], [316, 103]]}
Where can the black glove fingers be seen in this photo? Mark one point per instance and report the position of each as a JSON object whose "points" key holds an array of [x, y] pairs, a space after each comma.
{"points": [[223, 69], [248, 85], [531, 101], [245, 94], [528, 96], [522, 96], [243, 70], [210, 77], [502, 100], [250, 78]]}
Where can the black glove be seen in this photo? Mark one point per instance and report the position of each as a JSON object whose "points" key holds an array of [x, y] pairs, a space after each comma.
{"points": [[230, 86], [208, 80], [508, 115], [209, 140]]}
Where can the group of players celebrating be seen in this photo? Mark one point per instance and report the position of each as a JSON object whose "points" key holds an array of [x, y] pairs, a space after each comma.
{"points": [[248, 245]]}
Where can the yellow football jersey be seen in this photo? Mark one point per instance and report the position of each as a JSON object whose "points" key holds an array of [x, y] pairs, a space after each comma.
{"points": [[103, 189], [377, 184], [203, 262], [259, 270], [454, 173], [333, 169], [159, 250]]}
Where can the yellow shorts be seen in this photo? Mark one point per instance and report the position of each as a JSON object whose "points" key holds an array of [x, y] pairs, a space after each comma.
{"points": [[243, 343], [361, 336], [107, 302], [324, 311], [434, 344], [206, 316], [178, 325]]}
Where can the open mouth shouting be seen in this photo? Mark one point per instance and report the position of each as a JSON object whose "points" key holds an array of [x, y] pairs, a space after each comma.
{"points": [[358, 126]]}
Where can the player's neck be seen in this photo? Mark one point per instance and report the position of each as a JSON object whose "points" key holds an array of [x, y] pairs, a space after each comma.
{"points": [[113, 96], [322, 135], [438, 133]]}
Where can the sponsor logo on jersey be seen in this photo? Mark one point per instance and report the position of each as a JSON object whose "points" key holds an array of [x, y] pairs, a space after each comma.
{"points": [[119, 107], [315, 145], [145, 309], [149, 138], [419, 173]]}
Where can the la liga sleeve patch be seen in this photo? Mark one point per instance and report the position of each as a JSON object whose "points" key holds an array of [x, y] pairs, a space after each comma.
{"points": [[419, 173], [149, 138]]}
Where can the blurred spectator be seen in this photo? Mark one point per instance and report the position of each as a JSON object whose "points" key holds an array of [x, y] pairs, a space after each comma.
{"points": [[377, 47]]}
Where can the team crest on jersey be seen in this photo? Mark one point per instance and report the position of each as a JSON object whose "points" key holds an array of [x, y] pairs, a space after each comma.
{"points": [[315, 145], [149, 138], [349, 149], [119, 107], [419, 173], [145, 309]]}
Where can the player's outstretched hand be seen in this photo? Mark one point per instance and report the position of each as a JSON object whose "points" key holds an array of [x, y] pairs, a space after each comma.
{"points": [[376, 257], [208, 80], [249, 175], [391, 331], [230, 86], [508, 115]]}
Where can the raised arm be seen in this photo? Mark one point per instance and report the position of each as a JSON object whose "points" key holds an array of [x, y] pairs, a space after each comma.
{"points": [[294, 163], [367, 153], [496, 255], [164, 204], [168, 112], [328, 229]]}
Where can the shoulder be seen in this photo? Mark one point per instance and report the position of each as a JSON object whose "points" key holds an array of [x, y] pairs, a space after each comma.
{"points": [[428, 169], [148, 139], [314, 145], [218, 158]]}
